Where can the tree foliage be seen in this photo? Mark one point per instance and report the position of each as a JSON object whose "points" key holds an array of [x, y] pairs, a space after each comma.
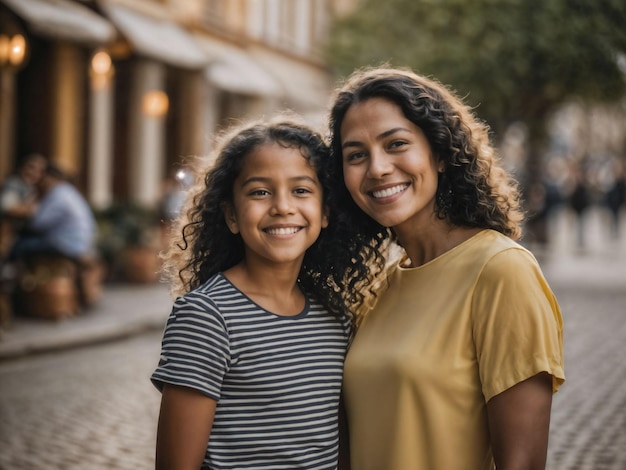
{"points": [[511, 59]]}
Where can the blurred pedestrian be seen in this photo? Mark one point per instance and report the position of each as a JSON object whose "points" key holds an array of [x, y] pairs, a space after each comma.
{"points": [[615, 196], [579, 200], [542, 199]]}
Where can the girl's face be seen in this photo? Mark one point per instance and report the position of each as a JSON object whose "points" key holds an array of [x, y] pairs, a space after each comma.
{"points": [[388, 164], [277, 205]]}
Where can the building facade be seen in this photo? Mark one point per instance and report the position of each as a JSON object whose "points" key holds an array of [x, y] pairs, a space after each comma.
{"points": [[120, 92]]}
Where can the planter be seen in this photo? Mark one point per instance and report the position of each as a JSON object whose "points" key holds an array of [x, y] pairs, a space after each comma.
{"points": [[48, 289], [140, 264]]}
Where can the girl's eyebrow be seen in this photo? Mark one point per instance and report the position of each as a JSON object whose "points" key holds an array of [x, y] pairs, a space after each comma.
{"points": [[356, 143], [264, 179]]}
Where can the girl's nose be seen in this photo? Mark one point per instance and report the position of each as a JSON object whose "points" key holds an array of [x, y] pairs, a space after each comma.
{"points": [[282, 204], [379, 165]]}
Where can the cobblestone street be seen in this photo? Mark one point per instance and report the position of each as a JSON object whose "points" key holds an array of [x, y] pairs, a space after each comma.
{"points": [[588, 429], [93, 408]]}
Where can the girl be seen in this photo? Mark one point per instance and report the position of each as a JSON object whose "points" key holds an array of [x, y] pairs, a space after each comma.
{"points": [[252, 354], [455, 366]]}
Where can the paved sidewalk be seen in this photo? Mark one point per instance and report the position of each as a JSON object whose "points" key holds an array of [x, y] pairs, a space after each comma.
{"points": [[123, 310]]}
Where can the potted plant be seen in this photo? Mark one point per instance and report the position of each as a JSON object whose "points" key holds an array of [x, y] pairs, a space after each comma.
{"points": [[129, 242]]}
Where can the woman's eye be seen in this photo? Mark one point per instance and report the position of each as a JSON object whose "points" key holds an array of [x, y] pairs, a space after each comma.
{"points": [[354, 156], [302, 191], [397, 144]]}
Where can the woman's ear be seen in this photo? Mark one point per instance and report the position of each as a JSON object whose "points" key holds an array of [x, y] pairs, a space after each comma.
{"points": [[441, 166], [230, 218]]}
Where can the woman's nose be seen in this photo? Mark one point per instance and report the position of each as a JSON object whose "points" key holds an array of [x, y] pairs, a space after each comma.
{"points": [[379, 165]]}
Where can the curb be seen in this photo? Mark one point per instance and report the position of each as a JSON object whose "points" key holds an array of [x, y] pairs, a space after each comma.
{"points": [[94, 335], [122, 312]]}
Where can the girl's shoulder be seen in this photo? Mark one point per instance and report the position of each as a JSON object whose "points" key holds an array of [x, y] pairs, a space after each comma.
{"points": [[216, 282], [211, 292]]}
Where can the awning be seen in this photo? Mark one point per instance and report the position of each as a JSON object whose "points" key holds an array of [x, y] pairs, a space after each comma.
{"points": [[234, 70], [62, 19], [157, 38]]}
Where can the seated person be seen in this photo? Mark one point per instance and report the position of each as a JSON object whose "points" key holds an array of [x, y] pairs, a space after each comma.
{"points": [[18, 197], [62, 224], [18, 192]]}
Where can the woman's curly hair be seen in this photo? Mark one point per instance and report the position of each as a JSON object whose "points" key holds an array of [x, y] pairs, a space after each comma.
{"points": [[474, 190], [202, 244]]}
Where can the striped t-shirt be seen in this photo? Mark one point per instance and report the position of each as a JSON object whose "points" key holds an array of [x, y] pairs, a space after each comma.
{"points": [[276, 379]]}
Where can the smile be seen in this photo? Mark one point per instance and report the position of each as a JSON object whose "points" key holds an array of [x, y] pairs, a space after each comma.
{"points": [[282, 230], [390, 191]]}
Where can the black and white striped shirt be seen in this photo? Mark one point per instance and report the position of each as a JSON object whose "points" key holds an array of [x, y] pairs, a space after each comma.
{"points": [[276, 379]]}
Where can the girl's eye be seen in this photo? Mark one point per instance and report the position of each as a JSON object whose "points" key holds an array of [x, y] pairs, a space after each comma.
{"points": [[259, 192], [302, 191]]}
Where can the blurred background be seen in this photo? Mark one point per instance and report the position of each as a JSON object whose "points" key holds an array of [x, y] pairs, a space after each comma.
{"points": [[119, 94]]}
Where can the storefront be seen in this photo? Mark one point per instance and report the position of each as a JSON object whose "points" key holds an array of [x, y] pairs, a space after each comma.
{"points": [[119, 93]]}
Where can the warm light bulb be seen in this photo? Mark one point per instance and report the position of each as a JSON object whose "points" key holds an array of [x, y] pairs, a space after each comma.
{"points": [[101, 63], [17, 49], [155, 103]]}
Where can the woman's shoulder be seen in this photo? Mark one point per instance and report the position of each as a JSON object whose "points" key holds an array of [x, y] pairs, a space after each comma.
{"points": [[488, 243], [503, 257], [490, 250]]}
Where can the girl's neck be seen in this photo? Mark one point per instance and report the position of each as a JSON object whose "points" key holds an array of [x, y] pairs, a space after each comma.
{"points": [[276, 290]]}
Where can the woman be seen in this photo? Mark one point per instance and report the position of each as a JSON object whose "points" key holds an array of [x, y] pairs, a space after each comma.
{"points": [[456, 364]]}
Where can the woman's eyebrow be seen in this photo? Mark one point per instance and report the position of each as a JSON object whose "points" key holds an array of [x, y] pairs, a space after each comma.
{"points": [[356, 143]]}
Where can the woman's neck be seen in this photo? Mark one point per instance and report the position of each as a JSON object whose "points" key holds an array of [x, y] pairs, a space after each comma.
{"points": [[424, 244]]}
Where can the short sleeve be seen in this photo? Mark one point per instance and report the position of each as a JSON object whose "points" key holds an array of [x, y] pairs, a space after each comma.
{"points": [[517, 323], [195, 349]]}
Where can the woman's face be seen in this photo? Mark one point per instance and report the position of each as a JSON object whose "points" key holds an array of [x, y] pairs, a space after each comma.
{"points": [[388, 165]]}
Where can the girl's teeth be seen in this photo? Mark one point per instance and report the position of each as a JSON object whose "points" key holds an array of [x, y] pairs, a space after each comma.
{"points": [[389, 191], [283, 231]]}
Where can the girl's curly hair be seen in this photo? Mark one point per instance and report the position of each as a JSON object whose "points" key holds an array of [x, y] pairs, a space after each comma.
{"points": [[474, 190], [202, 244]]}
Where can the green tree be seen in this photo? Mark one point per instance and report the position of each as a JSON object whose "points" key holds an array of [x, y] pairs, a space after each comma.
{"points": [[513, 60]]}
